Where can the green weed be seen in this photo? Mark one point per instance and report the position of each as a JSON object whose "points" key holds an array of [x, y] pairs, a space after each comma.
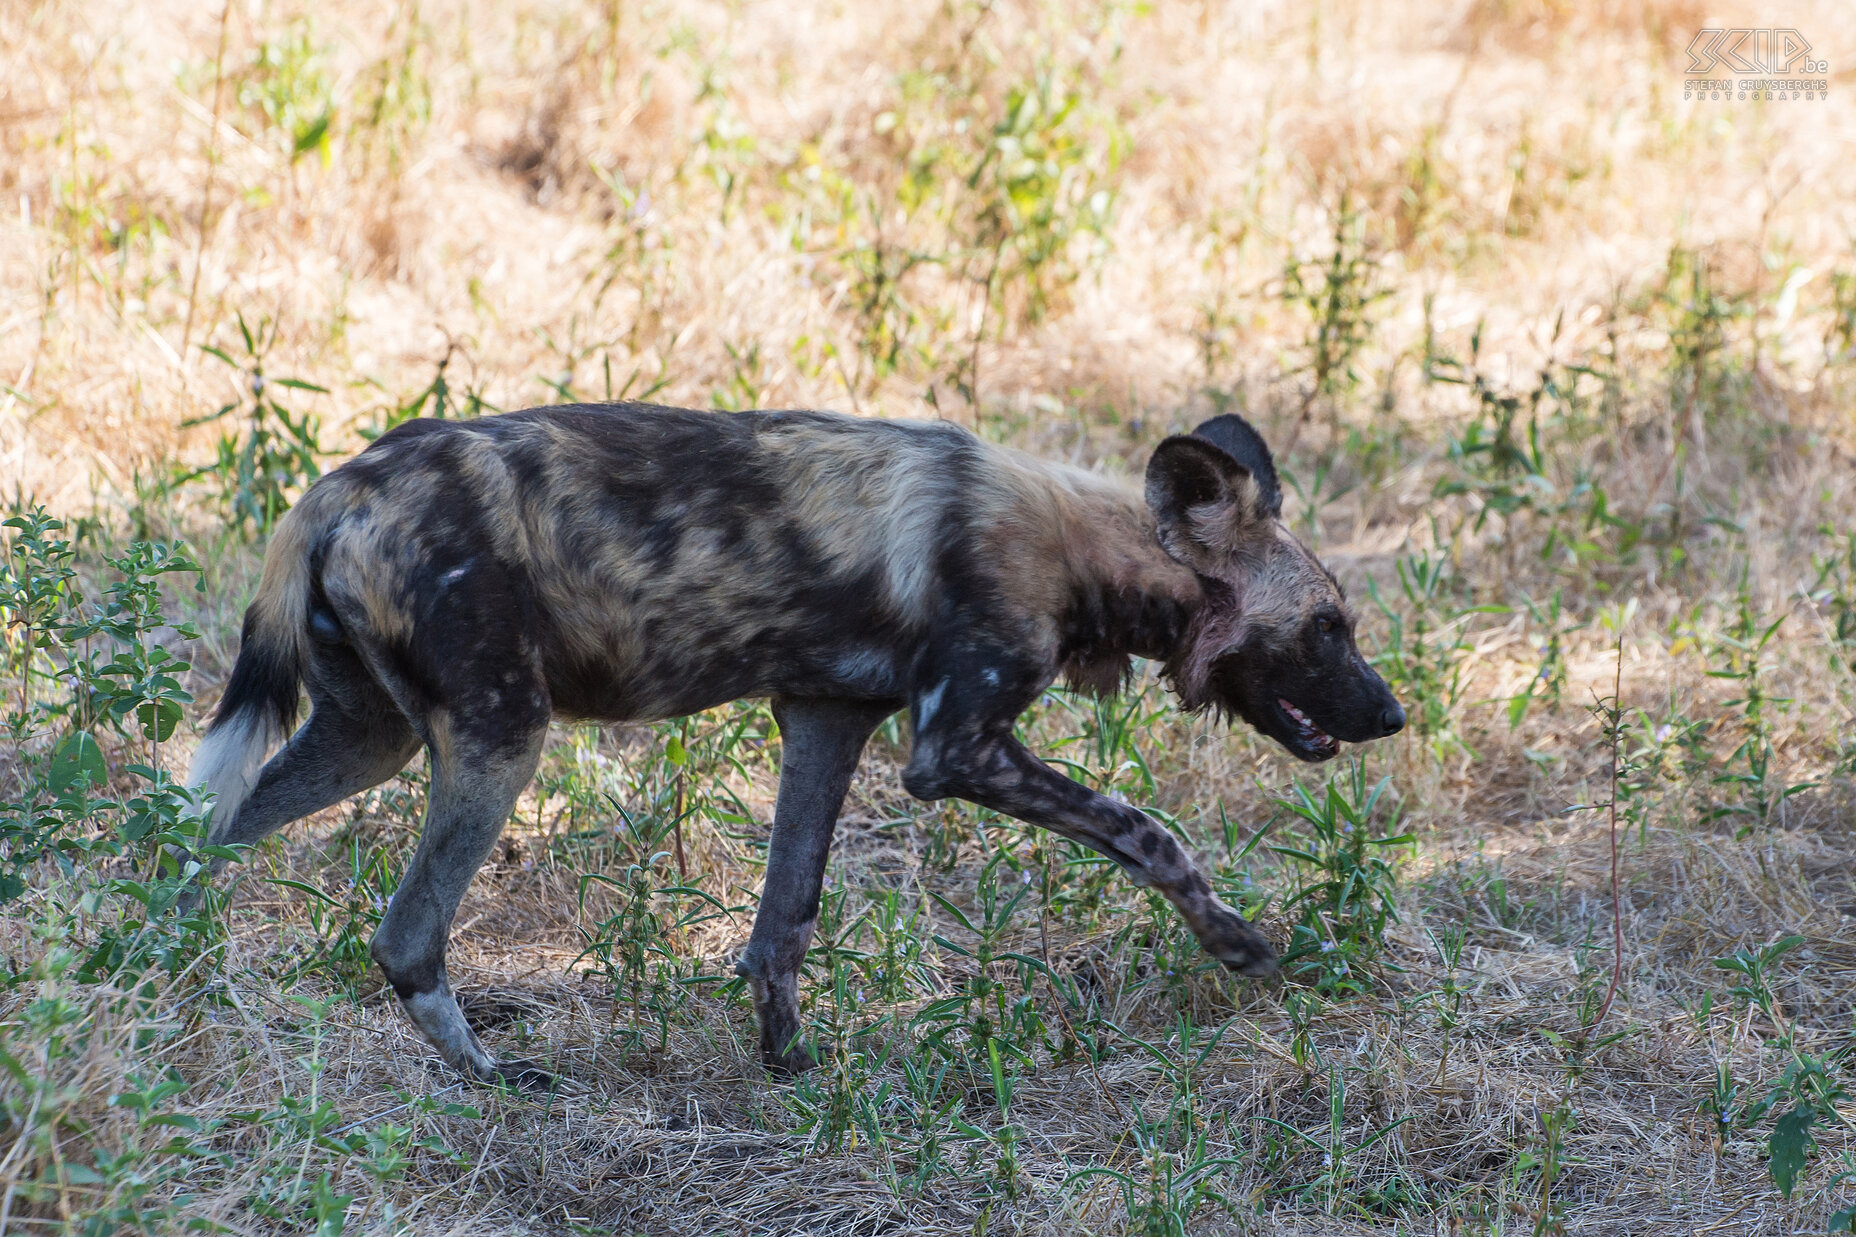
{"points": [[343, 920], [1807, 1091], [1339, 293], [1349, 895], [286, 86], [436, 400], [1174, 1173], [639, 945], [273, 453], [1425, 645], [1742, 648]]}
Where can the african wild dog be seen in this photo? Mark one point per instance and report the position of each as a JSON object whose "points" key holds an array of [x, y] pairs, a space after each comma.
{"points": [[458, 584]]}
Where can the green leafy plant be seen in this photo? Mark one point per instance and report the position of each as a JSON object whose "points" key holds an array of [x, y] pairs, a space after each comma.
{"points": [[1449, 996], [1548, 684], [1170, 1186], [1545, 1161], [1003, 185], [637, 945], [274, 452], [436, 400], [1174, 1174], [1339, 292], [102, 665], [1425, 646], [286, 86], [1339, 1153], [1809, 1088], [1699, 315], [344, 920], [1502, 443], [1350, 893], [37, 590], [987, 1006], [1741, 647], [1834, 593]]}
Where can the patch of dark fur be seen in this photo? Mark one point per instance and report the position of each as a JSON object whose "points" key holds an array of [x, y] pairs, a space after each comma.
{"points": [[1106, 628], [264, 679], [1236, 437]]}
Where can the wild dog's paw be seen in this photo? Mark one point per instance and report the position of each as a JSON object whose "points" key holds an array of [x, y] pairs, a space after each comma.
{"points": [[782, 1037], [535, 1079], [787, 1065], [1228, 937]]}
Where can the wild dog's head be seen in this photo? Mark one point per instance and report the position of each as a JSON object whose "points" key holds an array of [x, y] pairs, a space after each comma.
{"points": [[1273, 642]]}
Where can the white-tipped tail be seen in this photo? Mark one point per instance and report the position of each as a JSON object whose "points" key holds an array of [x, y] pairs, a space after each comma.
{"points": [[227, 764], [261, 697]]}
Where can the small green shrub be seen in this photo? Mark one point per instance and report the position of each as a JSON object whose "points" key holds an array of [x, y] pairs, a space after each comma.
{"points": [[286, 86], [1809, 1089], [1752, 767]]}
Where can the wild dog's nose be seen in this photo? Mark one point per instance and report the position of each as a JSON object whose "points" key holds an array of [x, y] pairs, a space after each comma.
{"points": [[1393, 719]]}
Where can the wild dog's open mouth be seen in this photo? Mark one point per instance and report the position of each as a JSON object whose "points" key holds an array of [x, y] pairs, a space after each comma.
{"points": [[1316, 742]]}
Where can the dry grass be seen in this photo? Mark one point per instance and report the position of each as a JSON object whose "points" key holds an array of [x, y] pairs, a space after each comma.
{"points": [[691, 200]]}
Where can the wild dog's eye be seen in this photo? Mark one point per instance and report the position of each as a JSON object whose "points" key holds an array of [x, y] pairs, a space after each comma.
{"points": [[1326, 624]]}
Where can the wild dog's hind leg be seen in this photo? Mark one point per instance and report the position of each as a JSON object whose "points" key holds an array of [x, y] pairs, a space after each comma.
{"points": [[821, 741], [964, 748], [478, 770], [473, 789], [463, 663]]}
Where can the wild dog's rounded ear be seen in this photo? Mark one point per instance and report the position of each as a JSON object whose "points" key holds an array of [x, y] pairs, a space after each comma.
{"points": [[1236, 437], [1201, 499]]}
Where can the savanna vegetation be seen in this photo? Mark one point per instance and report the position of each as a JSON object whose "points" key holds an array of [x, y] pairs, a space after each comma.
{"points": [[1559, 365]]}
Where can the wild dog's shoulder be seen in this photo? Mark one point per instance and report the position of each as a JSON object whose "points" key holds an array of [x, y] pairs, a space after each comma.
{"points": [[1074, 563], [1092, 526]]}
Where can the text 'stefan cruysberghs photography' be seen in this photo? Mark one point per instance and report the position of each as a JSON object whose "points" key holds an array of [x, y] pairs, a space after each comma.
{"points": [[994, 617]]}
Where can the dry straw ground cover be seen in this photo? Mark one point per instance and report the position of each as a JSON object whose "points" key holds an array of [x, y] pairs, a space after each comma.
{"points": [[1559, 363]]}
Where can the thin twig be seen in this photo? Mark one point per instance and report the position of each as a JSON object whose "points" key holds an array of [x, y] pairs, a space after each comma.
{"points": [[1611, 812], [683, 867]]}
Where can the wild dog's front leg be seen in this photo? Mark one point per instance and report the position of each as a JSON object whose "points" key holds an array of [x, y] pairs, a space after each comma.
{"points": [[821, 741], [980, 761]]}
